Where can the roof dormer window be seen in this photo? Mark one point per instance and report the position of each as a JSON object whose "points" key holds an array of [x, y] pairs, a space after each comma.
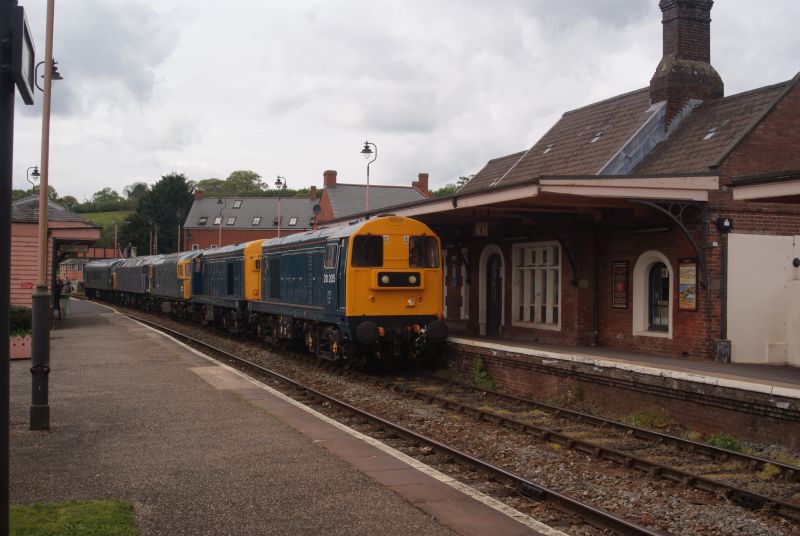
{"points": [[256, 220], [549, 148], [292, 221], [597, 136], [710, 133], [237, 203], [202, 220], [231, 220]]}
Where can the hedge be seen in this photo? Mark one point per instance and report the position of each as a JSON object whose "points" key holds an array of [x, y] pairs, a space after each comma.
{"points": [[20, 320]]}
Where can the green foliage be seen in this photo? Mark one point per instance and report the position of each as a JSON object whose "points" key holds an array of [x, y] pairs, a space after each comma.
{"points": [[106, 194], [451, 188], [106, 221], [19, 194], [161, 210], [480, 376], [725, 441], [90, 518], [20, 323], [135, 191], [244, 183], [210, 186], [653, 418], [109, 205], [68, 201]]}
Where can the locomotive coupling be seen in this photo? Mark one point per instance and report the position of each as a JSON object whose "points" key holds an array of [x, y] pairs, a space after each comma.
{"points": [[437, 331]]}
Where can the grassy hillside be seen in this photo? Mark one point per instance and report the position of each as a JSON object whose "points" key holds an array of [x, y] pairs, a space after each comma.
{"points": [[106, 221]]}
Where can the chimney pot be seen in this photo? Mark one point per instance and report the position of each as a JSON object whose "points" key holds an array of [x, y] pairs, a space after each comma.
{"points": [[198, 194], [421, 184], [329, 177]]}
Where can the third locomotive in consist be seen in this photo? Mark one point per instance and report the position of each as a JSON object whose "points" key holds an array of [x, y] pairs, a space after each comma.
{"points": [[361, 291]]}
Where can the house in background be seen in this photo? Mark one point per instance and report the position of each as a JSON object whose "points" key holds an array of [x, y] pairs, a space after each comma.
{"points": [[665, 220], [217, 221], [342, 200], [68, 233]]}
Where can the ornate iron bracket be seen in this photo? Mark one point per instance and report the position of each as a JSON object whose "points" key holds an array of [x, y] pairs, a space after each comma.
{"points": [[676, 211]]}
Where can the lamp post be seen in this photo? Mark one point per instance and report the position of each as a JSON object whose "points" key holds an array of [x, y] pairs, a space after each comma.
{"points": [[224, 203], [280, 185], [367, 153], [35, 175], [40, 347]]}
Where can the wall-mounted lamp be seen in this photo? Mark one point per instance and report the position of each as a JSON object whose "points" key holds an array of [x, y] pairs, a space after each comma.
{"points": [[724, 225], [796, 262], [54, 74]]}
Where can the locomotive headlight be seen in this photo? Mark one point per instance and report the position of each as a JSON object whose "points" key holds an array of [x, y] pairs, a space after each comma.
{"points": [[411, 302], [385, 279], [412, 279]]}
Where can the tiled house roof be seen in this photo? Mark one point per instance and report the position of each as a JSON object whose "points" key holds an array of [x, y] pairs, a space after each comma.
{"points": [[348, 199], [711, 131], [581, 143], [247, 210], [26, 210]]}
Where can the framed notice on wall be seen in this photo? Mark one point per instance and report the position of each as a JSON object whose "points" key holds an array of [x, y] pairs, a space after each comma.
{"points": [[687, 285], [619, 285]]}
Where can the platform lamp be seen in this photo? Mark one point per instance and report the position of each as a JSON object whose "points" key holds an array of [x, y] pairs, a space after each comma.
{"points": [[224, 204], [280, 184], [35, 175], [367, 153], [40, 310]]}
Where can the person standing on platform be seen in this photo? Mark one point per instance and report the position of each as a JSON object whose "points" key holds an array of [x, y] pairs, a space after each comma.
{"points": [[58, 286], [65, 292]]}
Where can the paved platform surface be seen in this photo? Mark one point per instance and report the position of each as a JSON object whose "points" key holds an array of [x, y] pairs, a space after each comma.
{"points": [[775, 379], [199, 449]]}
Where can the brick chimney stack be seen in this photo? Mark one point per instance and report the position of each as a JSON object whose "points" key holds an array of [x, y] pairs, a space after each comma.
{"points": [[198, 195], [421, 184], [329, 177], [685, 71], [312, 193]]}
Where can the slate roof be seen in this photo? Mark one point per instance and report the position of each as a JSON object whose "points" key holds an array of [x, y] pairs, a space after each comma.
{"points": [[347, 199], [573, 152], [686, 150], [26, 210], [251, 207]]}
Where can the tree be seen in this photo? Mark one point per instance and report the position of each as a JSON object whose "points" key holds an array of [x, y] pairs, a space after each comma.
{"points": [[106, 194], [451, 188], [135, 191], [67, 201], [160, 211], [243, 182], [210, 186], [19, 194]]}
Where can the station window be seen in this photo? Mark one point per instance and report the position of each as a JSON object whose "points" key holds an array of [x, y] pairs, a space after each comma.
{"points": [[330, 255], [293, 221], [203, 220], [537, 284], [218, 220], [658, 298], [368, 251], [423, 252], [256, 220], [237, 203], [231, 220]]}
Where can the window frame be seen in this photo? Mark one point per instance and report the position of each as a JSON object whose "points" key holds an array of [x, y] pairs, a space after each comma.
{"points": [[334, 257], [293, 221], [355, 262], [231, 220], [218, 220], [256, 220], [535, 272], [202, 220], [237, 203]]}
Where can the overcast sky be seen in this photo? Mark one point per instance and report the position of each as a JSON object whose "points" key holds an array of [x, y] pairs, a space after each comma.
{"points": [[294, 88]]}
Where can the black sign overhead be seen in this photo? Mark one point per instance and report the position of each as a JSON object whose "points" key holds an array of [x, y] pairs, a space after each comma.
{"points": [[23, 57]]}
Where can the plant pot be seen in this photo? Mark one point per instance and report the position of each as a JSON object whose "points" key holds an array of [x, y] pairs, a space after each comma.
{"points": [[20, 347]]}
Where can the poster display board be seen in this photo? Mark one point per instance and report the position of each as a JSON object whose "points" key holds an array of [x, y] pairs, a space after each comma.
{"points": [[619, 282], [687, 285]]}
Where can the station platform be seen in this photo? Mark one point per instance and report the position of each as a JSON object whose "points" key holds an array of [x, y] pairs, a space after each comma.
{"points": [[199, 448]]}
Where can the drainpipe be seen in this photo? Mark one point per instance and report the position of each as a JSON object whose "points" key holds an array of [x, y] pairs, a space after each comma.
{"points": [[596, 289]]}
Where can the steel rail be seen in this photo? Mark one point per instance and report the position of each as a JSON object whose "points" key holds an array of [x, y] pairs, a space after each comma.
{"points": [[740, 496], [594, 516]]}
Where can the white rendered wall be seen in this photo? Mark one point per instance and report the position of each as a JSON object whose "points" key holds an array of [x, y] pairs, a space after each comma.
{"points": [[763, 299]]}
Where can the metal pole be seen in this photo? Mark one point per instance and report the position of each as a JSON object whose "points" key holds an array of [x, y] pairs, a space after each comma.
{"points": [[7, 92], [40, 347]]}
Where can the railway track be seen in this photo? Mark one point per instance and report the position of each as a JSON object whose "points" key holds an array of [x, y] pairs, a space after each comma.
{"points": [[615, 441], [563, 429], [598, 518]]}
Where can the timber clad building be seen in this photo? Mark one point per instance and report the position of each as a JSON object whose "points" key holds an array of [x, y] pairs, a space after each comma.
{"points": [[664, 220]]}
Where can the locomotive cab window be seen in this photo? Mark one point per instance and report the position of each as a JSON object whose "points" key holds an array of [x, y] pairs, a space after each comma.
{"points": [[330, 255], [368, 251], [423, 252]]}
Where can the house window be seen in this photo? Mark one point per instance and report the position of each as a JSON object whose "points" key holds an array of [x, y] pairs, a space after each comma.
{"points": [[237, 203], [231, 220], [203, 220], [658, 298], [195, 247], [292, 221], [256, 220], [218, 220], [537, 284], [330, 255]]}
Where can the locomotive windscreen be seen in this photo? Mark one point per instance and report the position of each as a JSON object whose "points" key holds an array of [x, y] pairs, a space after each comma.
{"points": [[423, 252], [368, 251]]}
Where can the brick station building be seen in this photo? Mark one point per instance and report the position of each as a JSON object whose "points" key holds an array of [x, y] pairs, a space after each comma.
{"points": [[665, 220]]}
